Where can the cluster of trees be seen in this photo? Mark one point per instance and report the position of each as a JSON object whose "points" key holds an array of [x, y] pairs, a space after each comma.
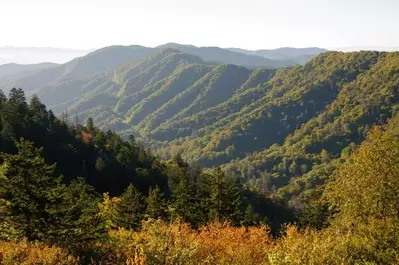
{"points": [[300, 138], [53, 174], [358, 223], [277, 129]]}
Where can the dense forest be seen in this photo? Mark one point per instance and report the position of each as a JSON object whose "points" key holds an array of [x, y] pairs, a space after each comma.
{"points": [[191, 217], [282, 131], [172, 159]]}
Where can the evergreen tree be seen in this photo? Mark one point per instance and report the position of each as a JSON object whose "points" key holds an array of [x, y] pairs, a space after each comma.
{"points": [[251, 218], [225, 198], [130, 209], [7, 138], [16, 109], [314, 215], [156, 205], [30, 191], [183, 205], [81, 222], [37, 111]]}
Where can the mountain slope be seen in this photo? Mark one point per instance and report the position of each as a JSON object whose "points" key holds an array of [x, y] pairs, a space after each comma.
{"points": [[91, 63], [225, 56], [282, 130], [13, 69], [293, 55], [113, 56], [36, 55]]}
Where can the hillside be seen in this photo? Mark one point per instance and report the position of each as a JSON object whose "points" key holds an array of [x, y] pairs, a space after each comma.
{"points": [[296, 55], [13, 69], [303, 117], [170, 212], [37, 55], [227, 56], [314, 145], [275, 128], [91, 63], [100, 60]]}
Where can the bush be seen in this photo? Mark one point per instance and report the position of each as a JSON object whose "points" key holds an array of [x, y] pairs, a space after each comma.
{"points": [[25, 253], [177, 243]]}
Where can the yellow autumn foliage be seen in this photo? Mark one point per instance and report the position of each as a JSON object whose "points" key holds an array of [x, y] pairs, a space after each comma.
{"points": [[24, 253], [176, 243]]}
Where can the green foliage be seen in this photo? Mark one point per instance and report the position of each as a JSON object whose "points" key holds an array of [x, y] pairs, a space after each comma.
{"points": [[29, 193], [156, 204], [81, 222], [130, 209], [225, 199], [298, 138], [37, 206]]}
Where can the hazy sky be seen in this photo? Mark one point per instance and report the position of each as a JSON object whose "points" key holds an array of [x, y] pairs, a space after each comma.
{"points": [[251, 24]]}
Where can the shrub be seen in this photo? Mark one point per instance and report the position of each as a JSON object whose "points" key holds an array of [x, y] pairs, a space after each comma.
{"points": [[25, 253]]}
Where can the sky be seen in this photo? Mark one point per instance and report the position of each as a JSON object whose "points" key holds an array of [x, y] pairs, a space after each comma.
{"points": [[248, 24]]}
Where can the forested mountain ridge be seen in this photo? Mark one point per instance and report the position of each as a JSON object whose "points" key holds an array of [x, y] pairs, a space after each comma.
{"points": [[109, 57], [200, 216], [297, 55], [94, 62], [52, 173], [273, 127], [322, 137], [308, 115], [228, 56]]}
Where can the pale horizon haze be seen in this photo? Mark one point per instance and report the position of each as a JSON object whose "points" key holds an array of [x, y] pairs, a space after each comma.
{"points": [[250, 24]]}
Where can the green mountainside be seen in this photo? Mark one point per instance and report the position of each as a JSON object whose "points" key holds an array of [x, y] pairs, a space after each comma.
{"points": [[228, 56], [282, 130], [113, 56], [162, 157], [94, 62]]}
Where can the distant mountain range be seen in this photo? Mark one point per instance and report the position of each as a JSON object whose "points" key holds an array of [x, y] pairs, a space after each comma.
{"points": [[105, 58], [269, 58], [34, 55], [13, 69], [296, 55]]}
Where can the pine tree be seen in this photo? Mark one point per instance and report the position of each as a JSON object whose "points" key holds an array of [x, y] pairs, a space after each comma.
{"points": [[37, 111], [81, 221], [183, 205], [30, 191], [7, 138], [156, 205], [225, 198], [15, 111], [130, 209], [251, 218]]}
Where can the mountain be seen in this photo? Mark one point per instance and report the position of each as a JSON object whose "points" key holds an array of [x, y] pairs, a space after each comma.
{"points": [[283, 130], [219, 55], [322, 138], [13, 69], [109, 57], [292, 55], [292, 134], [295, 55], [91, 63], [35, 55], [143, 94]]}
